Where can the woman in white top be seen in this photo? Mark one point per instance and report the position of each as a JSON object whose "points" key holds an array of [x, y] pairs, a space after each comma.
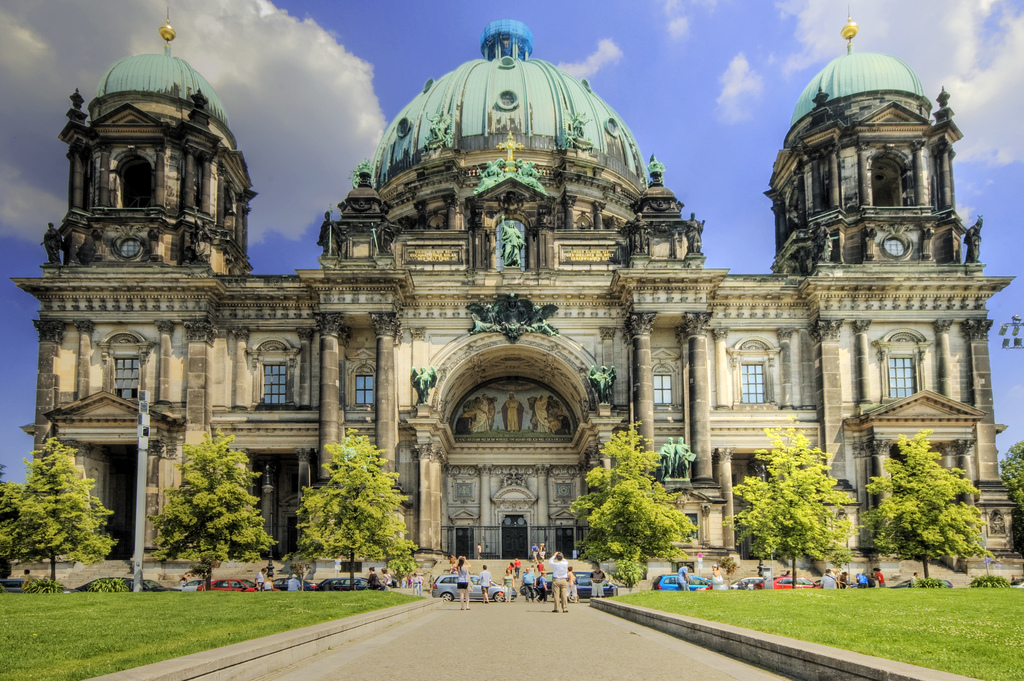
{"points": [[717, 580], [462, 582]]}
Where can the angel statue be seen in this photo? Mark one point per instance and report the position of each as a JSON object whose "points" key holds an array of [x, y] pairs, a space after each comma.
{"points": [[423, 379], [676, 458], [602, 381]]}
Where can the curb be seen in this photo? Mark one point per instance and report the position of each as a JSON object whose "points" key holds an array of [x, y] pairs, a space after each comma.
{"points": [[779, 654], [254, 658]]}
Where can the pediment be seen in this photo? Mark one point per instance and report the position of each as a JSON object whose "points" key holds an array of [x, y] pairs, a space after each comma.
{"points": [[892, 113], [563, 514], [463, 514], [514, 493], [104, 406], [126, 115], [924, 406], [511, 185]]}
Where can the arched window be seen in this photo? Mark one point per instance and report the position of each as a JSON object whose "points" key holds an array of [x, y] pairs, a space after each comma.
{"points": [[137, 184], [886, 183]]}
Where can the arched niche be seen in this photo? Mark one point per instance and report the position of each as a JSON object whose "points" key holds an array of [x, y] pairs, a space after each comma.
{"points": [[512, 408]]}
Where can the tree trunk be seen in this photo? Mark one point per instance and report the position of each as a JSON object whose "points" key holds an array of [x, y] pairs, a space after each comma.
{"points": [[352, 570], [53, 568], [924, 564]]}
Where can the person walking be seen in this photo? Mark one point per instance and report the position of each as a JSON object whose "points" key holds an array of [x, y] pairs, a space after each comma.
{"points": [[485, 583], [533, 552], [517, 563], [597, 582], [261, 577], [529, 579], [573, 595], [683, 578], [560, 581], [510, 584], [542, 553], [417, 584], [542, 588], [373, 580], [462, 582], [717, 580]]}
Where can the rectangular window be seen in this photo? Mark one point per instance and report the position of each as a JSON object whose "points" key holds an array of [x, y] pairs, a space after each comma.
{"points": [[692, 517], [901, 377], [126, 378], [275, 382], [364, 389], [752, 376], [662, 389]]}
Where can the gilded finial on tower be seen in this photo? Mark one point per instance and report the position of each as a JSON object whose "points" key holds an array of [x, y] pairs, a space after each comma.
{"points": [[849, 32], [165, 31], [510, 145]]}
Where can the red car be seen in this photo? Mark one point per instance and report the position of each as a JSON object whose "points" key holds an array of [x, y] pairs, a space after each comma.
{"points": [[229, 585], [786, 582]]}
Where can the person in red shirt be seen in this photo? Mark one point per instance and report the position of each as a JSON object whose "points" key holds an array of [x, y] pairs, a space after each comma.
{"points": [[517, 565], [879, 577]]}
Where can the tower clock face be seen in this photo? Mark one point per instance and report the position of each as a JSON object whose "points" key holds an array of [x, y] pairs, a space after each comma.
{"points": [[894, 247]]}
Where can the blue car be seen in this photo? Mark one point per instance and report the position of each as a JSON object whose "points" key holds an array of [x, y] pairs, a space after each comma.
{"points": [[671, 583]]}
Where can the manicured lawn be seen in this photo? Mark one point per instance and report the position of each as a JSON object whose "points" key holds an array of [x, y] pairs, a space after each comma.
{"points": [[974, 632], [74, 636]]}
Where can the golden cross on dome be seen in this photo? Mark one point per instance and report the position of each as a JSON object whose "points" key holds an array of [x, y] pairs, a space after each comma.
{"points": [[510, 145]]}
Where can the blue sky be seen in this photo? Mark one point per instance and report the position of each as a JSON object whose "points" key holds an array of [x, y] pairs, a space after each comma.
{"points": [[707, 85]]}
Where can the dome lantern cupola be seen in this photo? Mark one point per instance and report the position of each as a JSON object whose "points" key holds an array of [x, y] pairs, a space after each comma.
{"points": [[506, 38]]}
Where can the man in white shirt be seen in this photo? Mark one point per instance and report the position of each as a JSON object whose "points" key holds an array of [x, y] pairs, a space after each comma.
{"points": [[560, 581], [485, 582], [294, 584]]}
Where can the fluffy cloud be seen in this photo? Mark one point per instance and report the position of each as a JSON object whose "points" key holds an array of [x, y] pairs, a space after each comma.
{"points": [[740, 86], [972, 47], [607, 53], [302, 108]]}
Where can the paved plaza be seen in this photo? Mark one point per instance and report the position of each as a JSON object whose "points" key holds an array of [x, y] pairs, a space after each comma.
{"points": [[519, 640]]}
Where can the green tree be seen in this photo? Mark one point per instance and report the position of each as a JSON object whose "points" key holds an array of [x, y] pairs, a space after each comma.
{"points": [[356, 512], [794, 511], [10, 499], [212, 517], [631, 516], [919, 517], [53, 514], [1011, 471]]}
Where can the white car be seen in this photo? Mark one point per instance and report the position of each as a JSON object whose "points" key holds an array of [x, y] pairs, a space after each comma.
{"points": [[446, 588], [191, 585], [1017, 584]]}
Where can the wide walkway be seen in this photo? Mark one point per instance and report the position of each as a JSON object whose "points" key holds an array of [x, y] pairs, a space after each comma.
{"points": [[520, 640]]}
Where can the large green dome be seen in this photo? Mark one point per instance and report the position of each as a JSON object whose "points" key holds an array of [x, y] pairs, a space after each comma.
{"points": [[507, 91], [857, 73], [160, 74]]}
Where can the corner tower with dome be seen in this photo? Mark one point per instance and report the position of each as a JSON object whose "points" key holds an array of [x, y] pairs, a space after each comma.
{"points": [[507, 283]]}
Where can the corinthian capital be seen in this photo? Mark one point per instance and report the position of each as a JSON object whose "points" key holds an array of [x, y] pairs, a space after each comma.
{"points": [[976, 329], [386, 324], [640, 323], [826, 330], [200, 330], [330, 324], [50, 330], [694, 323]]}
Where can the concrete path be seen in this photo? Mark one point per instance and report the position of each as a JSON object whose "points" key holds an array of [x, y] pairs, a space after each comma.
{"points": [[503, 641]]}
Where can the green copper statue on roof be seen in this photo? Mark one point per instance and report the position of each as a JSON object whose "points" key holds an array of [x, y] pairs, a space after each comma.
{"points": [[364, 168], [441, 134]]}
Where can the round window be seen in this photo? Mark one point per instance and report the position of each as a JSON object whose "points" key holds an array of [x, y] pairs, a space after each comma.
{"points": [[894, 247], [508, 100], [129, 247], [403, 127], [612, 127]]}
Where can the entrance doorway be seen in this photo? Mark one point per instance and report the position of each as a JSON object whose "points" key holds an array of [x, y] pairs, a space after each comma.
{"points": [[565, 540], [464, 542], [513, 537]]}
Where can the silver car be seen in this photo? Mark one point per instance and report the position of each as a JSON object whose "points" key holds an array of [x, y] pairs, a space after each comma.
{"points": [[446, 588]]}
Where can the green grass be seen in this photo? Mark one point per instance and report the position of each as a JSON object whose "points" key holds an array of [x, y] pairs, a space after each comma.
{"points": [[66, 637], [974, 632]]}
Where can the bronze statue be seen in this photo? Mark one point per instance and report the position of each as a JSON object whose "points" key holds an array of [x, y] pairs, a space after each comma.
{"points": [[512, 243], [326, 239], [53, 243], [602, 381], [972, 239], [423, 380], [676, 458]]}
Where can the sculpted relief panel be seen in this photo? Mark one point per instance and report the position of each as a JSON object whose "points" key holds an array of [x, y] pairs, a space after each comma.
{"points": [[512, 408]]}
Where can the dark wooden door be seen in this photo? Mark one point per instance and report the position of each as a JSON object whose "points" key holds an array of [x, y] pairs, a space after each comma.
{"points": [[565, 540], [464, 542], [513, 537]]}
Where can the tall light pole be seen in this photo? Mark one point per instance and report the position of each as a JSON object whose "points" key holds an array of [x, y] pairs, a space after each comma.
{"points": [[140, 489]]}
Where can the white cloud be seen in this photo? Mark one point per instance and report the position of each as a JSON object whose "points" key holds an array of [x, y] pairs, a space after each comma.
{"points": [[678, 27], [302, 108], [607, 53], [740, 88], [972, 47], [678, 24]]}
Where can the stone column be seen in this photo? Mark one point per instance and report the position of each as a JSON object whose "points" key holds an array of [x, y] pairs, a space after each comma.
{"points": [[694, 326], [638, 326], [198, 405], [863, 175], [242, 397], [943, 363], [166, 328], [77, 178], [879, 455], [860, 328], [825, 333], [51, 335], [388, 327], [807, 389], [160, 177], [188, 189], [607, 345], [722, 391], [206, 185], [331, 327], [836, 181], [965, 462], [84, 361], [946, 176], [543, 514], [485, 495], [305, 366], [985, 454], [104, 178], [451, 203], [598, 207], [305, 474], [725, 481], [816, 184], [785, 336], [567, 204], [921, 197]]}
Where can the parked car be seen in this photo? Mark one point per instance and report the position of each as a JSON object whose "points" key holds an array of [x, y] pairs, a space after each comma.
{"points": [[445, 588], [281, 584], [229, 585], [906, 583], [190, 585], [671, 583], [341, 584], [12, 586], [786, 582], [585, 587], [147, 584], [748, 584], [1017, 584]]}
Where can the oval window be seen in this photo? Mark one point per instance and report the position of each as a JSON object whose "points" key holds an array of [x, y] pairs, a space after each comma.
{"points": [[508, 100], [129, 247], [612, 127], [894, 247], [403, 127]]}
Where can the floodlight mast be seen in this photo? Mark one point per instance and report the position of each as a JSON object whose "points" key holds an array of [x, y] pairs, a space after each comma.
{"points": [[1014, 329], [140, 489]]}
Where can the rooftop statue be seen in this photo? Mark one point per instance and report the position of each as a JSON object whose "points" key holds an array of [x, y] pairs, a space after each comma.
{"points": [[972, 239], [364, 168], [53, 243], [656, 169], [441, 134], [575, 133], [423, 380]]}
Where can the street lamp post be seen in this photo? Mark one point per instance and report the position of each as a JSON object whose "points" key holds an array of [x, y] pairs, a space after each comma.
{"points": [[1014, 329]]}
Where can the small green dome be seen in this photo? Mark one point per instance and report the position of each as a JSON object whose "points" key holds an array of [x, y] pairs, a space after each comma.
{"points": [[160, 74], [857, 73], [486, 98]]}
